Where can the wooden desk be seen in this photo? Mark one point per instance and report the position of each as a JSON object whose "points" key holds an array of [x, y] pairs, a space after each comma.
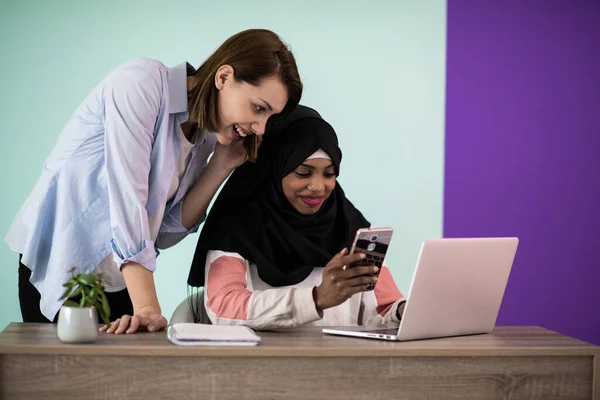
{"points": [[510, 363]]}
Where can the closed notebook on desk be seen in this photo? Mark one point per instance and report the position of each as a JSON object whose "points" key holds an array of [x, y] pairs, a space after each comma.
{"points": [[188, 334]]}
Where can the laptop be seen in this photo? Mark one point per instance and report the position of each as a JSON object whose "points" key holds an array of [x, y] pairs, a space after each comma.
{"points": [[457, 289]]}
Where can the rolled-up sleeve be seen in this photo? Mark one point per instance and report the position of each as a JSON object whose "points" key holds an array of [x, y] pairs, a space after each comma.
{"points": [[172, 230], [131, 106]]}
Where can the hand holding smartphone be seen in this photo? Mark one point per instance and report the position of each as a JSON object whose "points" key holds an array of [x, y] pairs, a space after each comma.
{"points": [[373, 243]]}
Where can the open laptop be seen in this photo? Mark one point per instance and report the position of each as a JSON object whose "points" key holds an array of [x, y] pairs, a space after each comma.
{"points": [[457, 289]]}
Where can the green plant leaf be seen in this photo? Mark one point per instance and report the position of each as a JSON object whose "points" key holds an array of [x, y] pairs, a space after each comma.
{"points": [[103, 315], [86, 279], [87, 290], [105, 306], [76, 293], [88, 297], [67, 293], [97, 303], [82, 302]]}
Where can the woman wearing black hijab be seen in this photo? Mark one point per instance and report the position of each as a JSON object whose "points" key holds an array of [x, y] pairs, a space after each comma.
{"points": [[273, 251]]}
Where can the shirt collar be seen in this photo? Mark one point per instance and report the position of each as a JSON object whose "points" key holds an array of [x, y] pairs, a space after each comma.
{"points": [[178, 97]]}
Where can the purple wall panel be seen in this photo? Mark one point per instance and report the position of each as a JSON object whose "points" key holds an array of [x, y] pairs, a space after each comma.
{"points": [[523, 151]]}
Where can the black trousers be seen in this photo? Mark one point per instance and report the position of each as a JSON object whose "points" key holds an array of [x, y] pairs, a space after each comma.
{"points": [[29, 299]]}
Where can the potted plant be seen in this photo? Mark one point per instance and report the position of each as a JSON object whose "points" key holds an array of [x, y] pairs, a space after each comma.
{"points": [[84, 300]]}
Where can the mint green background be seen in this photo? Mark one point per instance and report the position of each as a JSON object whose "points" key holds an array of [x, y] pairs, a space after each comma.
{"points": [[376, 72]]}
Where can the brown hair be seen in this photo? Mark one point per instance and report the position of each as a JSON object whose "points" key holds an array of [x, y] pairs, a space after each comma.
{"points": [[253, 54]]}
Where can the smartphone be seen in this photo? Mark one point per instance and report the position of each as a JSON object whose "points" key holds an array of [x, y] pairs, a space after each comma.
{"points": [[373, 243]]}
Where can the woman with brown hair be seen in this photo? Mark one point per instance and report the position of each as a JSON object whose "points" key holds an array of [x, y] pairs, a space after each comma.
{"points": [[131, 173]]}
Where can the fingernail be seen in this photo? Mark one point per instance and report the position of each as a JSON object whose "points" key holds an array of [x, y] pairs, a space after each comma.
{"points": [[151, 328], [362, 256], [375, 269]]}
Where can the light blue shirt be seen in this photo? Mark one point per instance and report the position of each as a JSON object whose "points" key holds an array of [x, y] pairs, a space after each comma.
{"points": [[110, 170]]}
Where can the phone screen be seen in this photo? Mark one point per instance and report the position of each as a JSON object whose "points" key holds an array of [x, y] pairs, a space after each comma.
{"points": [[374, 244]]}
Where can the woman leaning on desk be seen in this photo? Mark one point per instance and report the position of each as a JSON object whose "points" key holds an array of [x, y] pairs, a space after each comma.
{"points": [[129, 173]]}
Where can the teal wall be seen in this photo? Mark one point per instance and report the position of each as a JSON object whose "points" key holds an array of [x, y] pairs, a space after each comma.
{"points": [[376, 72]]}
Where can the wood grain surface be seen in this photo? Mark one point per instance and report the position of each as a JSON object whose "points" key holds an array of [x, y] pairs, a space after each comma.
{"points": [[510, 363]]}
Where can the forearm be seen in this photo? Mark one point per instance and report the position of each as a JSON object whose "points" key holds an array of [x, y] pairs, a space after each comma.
{"points": [[140, 285], [199, 197], [269, 309], [229, 302]]}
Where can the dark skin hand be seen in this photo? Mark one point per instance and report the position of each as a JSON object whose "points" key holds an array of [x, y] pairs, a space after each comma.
{"points": [[340, 282]]}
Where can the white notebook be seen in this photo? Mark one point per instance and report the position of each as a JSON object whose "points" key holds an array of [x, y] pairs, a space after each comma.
{"points": [[189, 334]]}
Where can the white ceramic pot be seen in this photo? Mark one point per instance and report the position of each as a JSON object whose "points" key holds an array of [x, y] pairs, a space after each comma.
{"points": [[77, 324]]}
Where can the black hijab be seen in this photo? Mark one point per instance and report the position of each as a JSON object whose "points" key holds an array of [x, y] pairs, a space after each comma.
{"points": [[252, 217]]}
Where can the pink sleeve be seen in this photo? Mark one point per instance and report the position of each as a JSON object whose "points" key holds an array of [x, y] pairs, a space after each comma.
{"points": [[226, 288], [386, 291], [229, 301]]}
